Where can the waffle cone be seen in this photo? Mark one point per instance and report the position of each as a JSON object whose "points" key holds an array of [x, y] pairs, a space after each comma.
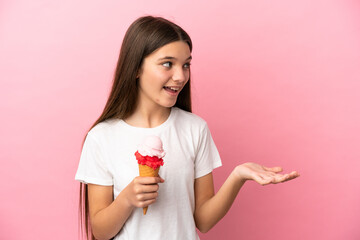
{"points": [[146, 171]]}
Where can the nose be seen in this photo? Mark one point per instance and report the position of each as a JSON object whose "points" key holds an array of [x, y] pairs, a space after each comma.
{"points": [[181, 75]]}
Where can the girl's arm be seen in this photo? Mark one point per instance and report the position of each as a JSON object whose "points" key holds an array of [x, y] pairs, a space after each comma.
{"points": [[210, 208], [107, 216]]}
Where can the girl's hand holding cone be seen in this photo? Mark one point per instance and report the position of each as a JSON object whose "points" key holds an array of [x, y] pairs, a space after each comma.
{"points": [[142, 191]]}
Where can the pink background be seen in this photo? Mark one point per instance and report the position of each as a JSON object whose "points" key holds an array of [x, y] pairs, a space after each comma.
{"points": [[277, 81]]}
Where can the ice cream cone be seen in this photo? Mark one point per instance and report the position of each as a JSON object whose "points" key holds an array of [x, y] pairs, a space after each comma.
{"points": [[146, 171], [149, 156]]}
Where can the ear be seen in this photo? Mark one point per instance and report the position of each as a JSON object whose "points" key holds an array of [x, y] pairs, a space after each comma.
{"points": [[139, 72]]}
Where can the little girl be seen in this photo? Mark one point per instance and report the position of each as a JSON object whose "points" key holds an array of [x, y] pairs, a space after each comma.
{"points": [[151, 96]]}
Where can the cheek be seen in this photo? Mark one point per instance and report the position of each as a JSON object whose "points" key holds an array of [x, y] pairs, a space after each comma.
{"points": [[157, 78], [187, 77], [148, 82]]}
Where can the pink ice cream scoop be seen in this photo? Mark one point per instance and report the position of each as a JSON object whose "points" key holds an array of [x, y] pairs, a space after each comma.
{"points": [[152, 146]]}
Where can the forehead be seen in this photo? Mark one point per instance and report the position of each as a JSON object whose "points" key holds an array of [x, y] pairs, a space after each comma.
{"points": [[178, 49]]}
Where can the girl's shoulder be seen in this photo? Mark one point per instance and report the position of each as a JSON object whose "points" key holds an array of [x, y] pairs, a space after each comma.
{"points": [[104, 127], [189, 118]]}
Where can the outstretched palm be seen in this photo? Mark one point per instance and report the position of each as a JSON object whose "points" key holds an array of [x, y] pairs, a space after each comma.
{"points": [[263, 175]]}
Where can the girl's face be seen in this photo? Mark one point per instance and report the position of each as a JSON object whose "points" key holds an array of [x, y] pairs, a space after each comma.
{"points": [[163, 74]]}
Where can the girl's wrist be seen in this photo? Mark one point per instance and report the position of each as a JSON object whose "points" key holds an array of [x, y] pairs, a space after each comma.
{"points": [[123, 200], [237, 174]]}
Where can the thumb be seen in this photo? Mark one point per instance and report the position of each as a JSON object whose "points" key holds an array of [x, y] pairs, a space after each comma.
{"points": [[161, 179], [274, 169]]}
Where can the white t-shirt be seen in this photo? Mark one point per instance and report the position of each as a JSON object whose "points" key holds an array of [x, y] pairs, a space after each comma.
{"points": [[108, 159]]}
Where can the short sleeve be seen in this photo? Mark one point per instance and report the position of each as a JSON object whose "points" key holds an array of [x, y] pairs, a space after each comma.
{"points": [[92, 166], [207, 157]]}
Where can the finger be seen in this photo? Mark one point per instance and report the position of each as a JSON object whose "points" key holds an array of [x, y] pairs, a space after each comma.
{"points": [[149, 188], [148, 180], [147, 196], [291, 175], [273, 169], [161, 179], [146, 203], [274, 179], [295, 174], [268, 178], [141, 189], [260, 179], [281, 178]]}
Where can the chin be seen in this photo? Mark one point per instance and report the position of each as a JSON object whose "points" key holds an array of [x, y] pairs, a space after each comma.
{"points": [[168, 104]]}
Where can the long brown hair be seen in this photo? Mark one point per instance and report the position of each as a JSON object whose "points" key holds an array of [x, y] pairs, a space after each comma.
{"points": [[144, 36]]}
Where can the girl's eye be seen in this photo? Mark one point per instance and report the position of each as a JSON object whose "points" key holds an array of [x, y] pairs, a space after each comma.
{"points": [[167, 64]]}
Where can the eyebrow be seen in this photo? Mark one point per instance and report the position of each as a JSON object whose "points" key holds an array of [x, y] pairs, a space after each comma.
{"points": [[168, 57]]}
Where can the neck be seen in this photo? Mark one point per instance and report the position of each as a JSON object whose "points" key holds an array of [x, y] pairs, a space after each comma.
{"points": [[148, 116]]}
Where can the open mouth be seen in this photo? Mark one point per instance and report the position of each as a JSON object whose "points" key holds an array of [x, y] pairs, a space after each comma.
{"points": [[172, 89]]}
